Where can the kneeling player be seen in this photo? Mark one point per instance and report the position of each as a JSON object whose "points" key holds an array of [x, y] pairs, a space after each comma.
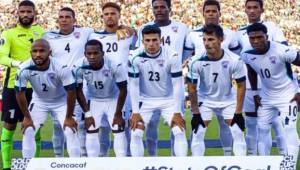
{"points": [[106, 94], [216, 69], [49, 81], [155, 77]]}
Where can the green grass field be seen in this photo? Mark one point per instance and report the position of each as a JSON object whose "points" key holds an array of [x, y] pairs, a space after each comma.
{"points": [[212, 133]]}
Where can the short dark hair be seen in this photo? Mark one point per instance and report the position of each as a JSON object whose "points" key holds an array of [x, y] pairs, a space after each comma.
{"points": [[151, 29], [167, 1], [68, 9], [211, 2], [261, 3], [213, 29], [27, 3], [112, 5], [94, 42], [257, 27]]}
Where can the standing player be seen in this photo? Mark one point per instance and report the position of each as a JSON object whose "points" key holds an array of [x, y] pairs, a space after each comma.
{"points": [[67, 46], [173, 34], [272, 62], [116, 47], [106, 94], [15, 48], [254, 10], [50, 81], [211, 13], [215, 70], [155, 77]]}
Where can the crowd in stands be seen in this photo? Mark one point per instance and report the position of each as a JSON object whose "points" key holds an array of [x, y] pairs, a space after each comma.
{"points": [[285, 13]]}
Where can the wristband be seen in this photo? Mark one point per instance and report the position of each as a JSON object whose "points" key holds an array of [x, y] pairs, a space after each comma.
{"points": [[87, 114]]}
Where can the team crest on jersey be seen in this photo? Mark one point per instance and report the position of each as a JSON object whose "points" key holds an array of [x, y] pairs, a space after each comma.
{"points": [[105, 73], [51, 75], [225, 64], [175, 29], [77, 35], [161, 62], [272, 59], [2, 41]]}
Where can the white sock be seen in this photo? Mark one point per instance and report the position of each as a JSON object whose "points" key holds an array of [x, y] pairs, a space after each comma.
{"points": [[104, 138], [180, 142], [225, 136], [239, 142], [82, 138], [92, 144], [136, 143], [152, 134], [120, 144], [292, 142], [251, 135], [264, 139], [197, 145], [73, 145], [279, 133], [58, 139], [28, 143]]}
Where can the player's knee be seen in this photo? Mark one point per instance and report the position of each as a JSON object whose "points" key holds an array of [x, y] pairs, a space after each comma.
{"points": [[137, 134], [10, 126], [250, 121], [177, 131]]}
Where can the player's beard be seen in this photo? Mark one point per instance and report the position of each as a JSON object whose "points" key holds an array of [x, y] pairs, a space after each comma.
{"points": [[41, 63], [26, 23]]}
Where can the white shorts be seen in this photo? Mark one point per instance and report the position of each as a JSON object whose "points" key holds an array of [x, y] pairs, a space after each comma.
{"points": [[39, 112], [227, 112], [165, 107], [100, 109], [285, 110], [249, 105]]}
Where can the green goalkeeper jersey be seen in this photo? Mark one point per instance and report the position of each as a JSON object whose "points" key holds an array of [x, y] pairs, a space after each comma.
{"points": [[15, 45]]}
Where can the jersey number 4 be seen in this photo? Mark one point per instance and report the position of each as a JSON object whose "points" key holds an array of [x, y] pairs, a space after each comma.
{"points": [[67, 48], [154, 76]]}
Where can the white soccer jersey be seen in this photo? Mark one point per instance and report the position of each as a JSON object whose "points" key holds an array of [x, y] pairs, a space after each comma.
{"points": [[194, 41], [274, 70], [101, 84], [48, 86], [68, 48], [155, 73], [274, 34], [172, 35], [116, 50], [215, 86]]}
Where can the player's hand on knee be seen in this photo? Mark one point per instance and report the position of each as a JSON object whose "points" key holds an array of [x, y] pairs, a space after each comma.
{"points": [[257, 101], [136, 121], [296, 98], [239, 120], [196, 122], [178, 120], [71, 123], [118, 124], [27, 122]]}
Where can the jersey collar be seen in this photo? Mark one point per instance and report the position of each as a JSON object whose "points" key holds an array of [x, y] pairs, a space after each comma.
{"points": [[145, 55]]}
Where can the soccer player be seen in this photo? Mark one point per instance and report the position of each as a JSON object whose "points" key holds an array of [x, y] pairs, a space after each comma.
{"points": [[116, 47], [53, 92], [67, 46], [211, 13], [155, 78], [14, 49], [173, 34], [215, 71], [272, 62], [254, 9], [106, 94]]}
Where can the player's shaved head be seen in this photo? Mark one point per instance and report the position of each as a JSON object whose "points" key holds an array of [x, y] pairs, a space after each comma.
{"points": [[94, 43], [167, 1], [41, 42], [257, 27]]}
